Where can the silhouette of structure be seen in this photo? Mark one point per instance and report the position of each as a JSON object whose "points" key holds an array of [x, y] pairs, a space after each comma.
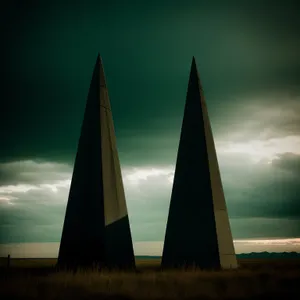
{"points": [[96, 228], [198, 230]]}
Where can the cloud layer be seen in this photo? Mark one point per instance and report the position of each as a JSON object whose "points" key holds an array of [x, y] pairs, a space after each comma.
{"points": [[249, 67], [259, 156]]}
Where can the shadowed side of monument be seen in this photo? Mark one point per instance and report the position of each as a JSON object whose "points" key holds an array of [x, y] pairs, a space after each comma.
{"points": [[96, 228], [198, 231]]}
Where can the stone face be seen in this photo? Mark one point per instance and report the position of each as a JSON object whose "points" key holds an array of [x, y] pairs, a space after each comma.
{"points": [[198, 231], [96, 228]]}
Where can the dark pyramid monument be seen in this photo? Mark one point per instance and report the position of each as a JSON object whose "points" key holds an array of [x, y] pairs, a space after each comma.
{"points": [[198, 230], [96, 228]]}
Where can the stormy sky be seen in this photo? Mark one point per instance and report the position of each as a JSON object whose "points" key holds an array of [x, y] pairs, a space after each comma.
{"points": [[247, 54]]}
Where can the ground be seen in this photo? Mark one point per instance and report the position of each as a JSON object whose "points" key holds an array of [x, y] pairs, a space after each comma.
{"points": [[255, 279]]}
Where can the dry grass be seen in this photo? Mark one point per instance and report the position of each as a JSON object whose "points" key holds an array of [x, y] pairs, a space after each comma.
{"points": [[255, 279]]}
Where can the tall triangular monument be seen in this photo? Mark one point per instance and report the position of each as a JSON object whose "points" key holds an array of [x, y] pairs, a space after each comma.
{"points": [[96, 229], [198, 231]]}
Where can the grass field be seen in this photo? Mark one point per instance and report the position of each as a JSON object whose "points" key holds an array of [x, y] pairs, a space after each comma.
{"points": [[255, 279]]}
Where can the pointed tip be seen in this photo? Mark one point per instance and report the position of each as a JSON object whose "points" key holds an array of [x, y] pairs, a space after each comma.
{"points": [[101, 69], [194, 65], [99, 58], [194, 71], [99, 61]]}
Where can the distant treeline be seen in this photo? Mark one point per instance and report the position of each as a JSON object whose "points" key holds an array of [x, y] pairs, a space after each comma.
{"points": [[269, 255], [248, 255]]}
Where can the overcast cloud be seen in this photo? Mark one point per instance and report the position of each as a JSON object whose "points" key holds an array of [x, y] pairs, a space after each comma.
{"points": [[247, 54]]}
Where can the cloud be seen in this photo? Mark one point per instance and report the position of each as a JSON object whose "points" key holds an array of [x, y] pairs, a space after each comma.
{"points": [[33, 208], [31, 179], [258, 146], [30, 171], [264, 227], [33, 197], [148, 191], [136, 175], [260, 190], [262, 127], [288, 161]]}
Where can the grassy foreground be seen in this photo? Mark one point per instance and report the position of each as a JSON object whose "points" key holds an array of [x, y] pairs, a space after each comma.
{"points": [[255, 279]]}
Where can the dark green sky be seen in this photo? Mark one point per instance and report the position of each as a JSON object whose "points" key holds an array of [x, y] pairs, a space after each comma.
{"points": [[248, 58]]}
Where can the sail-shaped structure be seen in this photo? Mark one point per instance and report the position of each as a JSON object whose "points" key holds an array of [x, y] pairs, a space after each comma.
{"points": [[96, 229], [198, 230]]}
